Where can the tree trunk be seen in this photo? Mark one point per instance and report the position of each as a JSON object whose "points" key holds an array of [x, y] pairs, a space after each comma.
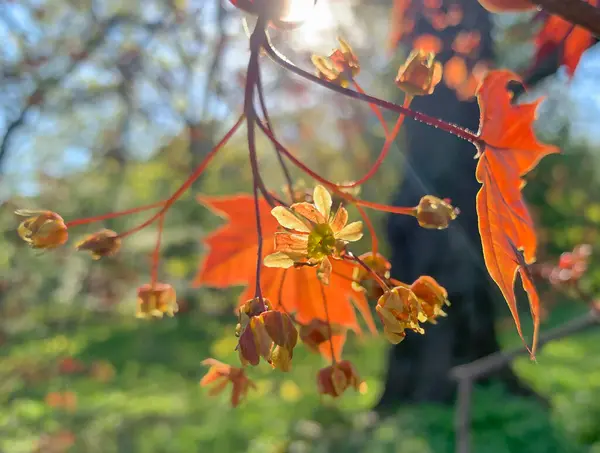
{"points": [[440, 164]]}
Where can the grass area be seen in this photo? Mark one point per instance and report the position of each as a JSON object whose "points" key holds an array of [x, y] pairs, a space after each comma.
{"points": [[138, 391]]}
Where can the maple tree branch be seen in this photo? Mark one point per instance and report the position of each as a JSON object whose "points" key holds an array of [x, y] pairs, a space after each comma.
{"points": [[467, 374], [486, 365], [578, 12], [454, 129]]}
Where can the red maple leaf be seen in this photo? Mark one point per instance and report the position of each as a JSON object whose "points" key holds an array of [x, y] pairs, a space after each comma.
{"points": [[231, 260], [558, 34], [505, 225]]}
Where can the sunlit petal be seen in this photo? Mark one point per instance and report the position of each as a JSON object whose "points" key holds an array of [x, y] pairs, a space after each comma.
{"points": [[351, 232], [309, 211], [322, 200], [278, 259], [339, 220], [288, 219]]}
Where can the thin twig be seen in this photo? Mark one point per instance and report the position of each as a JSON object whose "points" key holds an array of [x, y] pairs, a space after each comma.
{"points": [[493, 362]]}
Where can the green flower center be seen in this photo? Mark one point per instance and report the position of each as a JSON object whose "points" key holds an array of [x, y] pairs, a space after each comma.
{"points": [[321, 242]]}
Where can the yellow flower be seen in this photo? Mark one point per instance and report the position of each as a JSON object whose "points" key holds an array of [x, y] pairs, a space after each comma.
{"points": [[266, 333], [435, 213], [340, 67], [399, 310], [102, 243], [42, 229], [313, 233], [432, 297], [156, 300], [420, 74]]}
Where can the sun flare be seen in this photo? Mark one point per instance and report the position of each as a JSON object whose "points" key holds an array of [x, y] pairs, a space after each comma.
{"points": [[315, 19]]}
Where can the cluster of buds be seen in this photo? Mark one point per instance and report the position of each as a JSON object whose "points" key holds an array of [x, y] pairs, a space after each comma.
{"points": [[570, 267], [405, 307], [312, 234], [435, 213], [264, 332], [340, 67]]}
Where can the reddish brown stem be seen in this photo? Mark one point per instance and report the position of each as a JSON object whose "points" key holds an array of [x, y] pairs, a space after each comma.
{"points": [[369, 224], [378, 279], [187, 184], [374, 108], [112, 215], [460, 132], [156, 254], [328, 319], [331, 185], [384, 151]]}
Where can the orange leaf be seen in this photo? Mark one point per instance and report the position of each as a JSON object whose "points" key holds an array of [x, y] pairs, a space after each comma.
{"points": [[558, 33], [506, 228], [232, 261]]}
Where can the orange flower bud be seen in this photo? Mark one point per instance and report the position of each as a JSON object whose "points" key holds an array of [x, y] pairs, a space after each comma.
{"points": [[318, 332], [335, 379], [435, 213], [399, 310], [420, 74], [268, 334], [42, 229], [220, 374], [432, 297], [364, 280], [156, 300], [340, 67], [102, 243]]}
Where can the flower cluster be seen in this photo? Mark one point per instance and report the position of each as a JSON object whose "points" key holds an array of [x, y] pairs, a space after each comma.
{"points": [[405, 307], [266, 333]]}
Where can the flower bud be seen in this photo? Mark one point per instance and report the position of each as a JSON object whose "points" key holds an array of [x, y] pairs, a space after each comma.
{"points": [[102, 243], [42, 229], [420, 74], [435, 213], [156, 300], [335, 379], [432, 297], [399, 310]]}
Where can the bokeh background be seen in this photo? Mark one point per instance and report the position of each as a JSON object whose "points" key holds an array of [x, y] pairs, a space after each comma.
{"points": [[105, 105]]}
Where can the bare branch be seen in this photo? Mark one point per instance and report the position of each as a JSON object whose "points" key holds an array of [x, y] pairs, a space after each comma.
{"points": [[46, 85], [487, 365]]}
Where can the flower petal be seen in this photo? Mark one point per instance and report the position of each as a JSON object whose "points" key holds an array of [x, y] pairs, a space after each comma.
{"points": [[278, 259], [309, 212], [324, 271], [291, 243], [288, 219], [339, 220], [351, 232], [322, 200]]}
